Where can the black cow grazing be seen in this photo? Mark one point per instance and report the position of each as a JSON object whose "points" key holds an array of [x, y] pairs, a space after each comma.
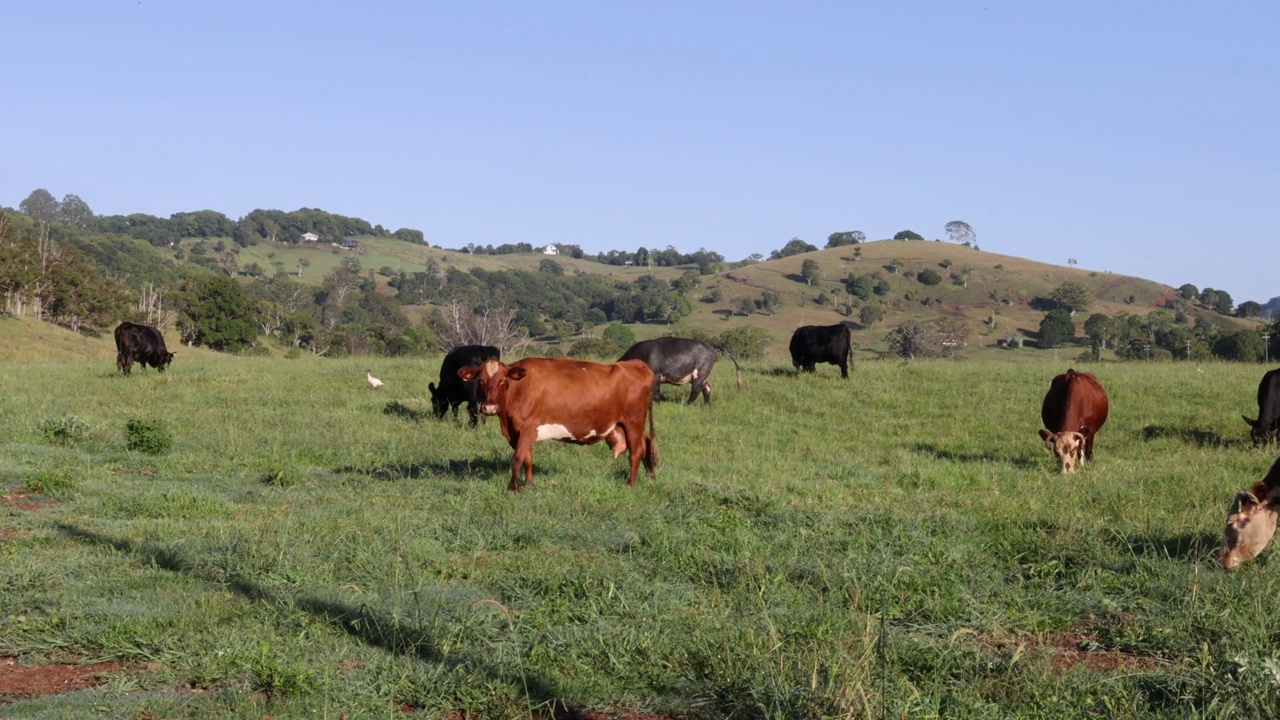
{"points": [[813, 344], [142, 344], [453, 390], [1267, 426], [679, 361]]}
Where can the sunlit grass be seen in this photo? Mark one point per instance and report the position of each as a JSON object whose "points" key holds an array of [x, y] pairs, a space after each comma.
{"points": [[300, 540]]}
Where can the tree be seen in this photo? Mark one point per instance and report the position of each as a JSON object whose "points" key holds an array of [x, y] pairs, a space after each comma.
{"points": [[621, 337], [849, 237], [960, 232], [744, 343], [811, 271], [1241, 345], [882, 288], [907, 235], [1097, 327], [1188, 291], [928, 277], [1056, 328], [551, 267], [795, 246], [40, 206], [914, 339], [870, 315], [861, 286], [1073, 296], [74, 211], [1248, 309], [217, 313]]}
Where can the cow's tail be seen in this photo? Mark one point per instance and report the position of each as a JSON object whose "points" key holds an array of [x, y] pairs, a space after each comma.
{"points": [[737, 368], [848, 348], [651, 443]]}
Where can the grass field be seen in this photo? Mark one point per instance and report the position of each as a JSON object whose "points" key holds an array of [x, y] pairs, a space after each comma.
{"points": [[897, 545]]}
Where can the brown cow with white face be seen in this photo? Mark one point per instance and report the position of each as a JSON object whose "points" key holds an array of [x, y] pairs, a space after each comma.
{"points": [[1074, 409], [571, 401], [1251, 521]]}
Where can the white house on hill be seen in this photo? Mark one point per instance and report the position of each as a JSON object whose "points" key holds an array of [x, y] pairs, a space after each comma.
{"points": [[551, 250], [310, 237]]}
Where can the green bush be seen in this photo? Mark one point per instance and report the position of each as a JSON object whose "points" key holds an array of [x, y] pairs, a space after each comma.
{"points": [[148, 436], [54, 483], [63, 430]]}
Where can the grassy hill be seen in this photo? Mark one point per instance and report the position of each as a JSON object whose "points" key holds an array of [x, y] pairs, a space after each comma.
{"points": [[998, 301], [1000, 287]]}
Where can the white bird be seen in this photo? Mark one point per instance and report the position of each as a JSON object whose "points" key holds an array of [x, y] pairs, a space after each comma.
{"points": [[375, 382]]}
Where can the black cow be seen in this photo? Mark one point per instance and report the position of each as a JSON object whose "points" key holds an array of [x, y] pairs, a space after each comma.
{"points": [[679, 361], [142, 344], [453, 390], [1267, 426], [813, 344]]}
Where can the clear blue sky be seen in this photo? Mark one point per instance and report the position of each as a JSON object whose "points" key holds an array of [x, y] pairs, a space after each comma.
{"points": [[1139, 138]]}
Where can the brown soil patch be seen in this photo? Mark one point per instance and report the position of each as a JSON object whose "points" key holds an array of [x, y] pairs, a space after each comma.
{"points": [[24, 683], [1076, 646], [573, 715], [20, 498], [11, 533]]}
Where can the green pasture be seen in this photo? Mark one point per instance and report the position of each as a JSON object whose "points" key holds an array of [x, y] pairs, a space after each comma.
{"points": [[895, 545]]}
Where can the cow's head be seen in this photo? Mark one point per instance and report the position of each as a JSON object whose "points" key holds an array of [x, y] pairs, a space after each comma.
{"points": [[1259, 431], [493, 379], [1250, 524], [163, 359], [439, 404], [1068, 446]]}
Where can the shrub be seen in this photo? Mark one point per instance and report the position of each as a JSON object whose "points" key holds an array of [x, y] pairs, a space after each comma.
{"points": [[593, 348], [929, 277], [54, 483], [63, 430], [147, 436]]}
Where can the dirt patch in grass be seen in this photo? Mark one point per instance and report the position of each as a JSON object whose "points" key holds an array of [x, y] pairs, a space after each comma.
{"points": [[20, 499], [11, 533], [1081, 645], [18, 682], [570, 715]]}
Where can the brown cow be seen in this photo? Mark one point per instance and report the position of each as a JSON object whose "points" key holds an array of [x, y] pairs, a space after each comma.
{"points": [[1074, 410], [1251, 521], [570, 400]]}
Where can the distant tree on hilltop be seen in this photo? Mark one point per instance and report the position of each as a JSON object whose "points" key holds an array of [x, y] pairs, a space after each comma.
{"points": [[908, 235], [849, 237], [795, 246], [960, 232]]}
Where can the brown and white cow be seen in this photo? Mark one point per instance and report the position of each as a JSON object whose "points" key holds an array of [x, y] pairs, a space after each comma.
{"points": [[572, 401], [1251, 521], [1074, 410]]}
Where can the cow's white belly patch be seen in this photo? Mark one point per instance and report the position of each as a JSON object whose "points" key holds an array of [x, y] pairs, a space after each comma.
{"points": [[554, 431], [684, 380]]}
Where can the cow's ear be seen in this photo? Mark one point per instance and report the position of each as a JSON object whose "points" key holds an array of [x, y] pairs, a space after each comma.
{"points": [[1252, 423], [431, 387], [1048, 438], [468, 373], [1246, 499], [516, 373]]}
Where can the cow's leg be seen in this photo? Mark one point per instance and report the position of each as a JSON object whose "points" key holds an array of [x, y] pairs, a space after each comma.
{"points": [[120, 364], [522, 460], [706, 392], [844, 370], [657, 388], [694, 390], [473, 411], [1088, 447], [636, 447]]}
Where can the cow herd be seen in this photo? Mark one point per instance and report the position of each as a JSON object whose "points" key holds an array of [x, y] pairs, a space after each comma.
{"points": [[585, 402]]}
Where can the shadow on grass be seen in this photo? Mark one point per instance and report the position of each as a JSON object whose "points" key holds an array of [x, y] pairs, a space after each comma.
{"points": [[474, 469], [1189, 546], [362, 622], [962, 457], [1193, 436], [399, 409]]}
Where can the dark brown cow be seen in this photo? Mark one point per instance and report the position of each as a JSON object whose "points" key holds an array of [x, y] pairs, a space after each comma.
{"points": [[142, 344], [1251, 521], [1074, 410], [572, 401]]}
